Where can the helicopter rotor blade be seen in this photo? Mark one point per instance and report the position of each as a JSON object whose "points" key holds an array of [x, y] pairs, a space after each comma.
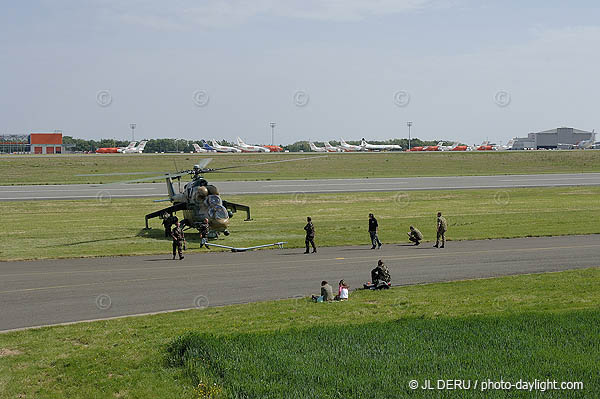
{"points": [[204, 162], [120, 173], [263, 163], [171, 175], [245, 171]]}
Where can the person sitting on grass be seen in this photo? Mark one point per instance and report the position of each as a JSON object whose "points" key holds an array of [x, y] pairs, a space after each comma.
{"points": [[326, 293], [380, 277], [342, 291]]}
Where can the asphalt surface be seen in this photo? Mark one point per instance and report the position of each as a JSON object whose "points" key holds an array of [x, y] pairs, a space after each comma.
{"points": [[91, 191], [46, 292]]}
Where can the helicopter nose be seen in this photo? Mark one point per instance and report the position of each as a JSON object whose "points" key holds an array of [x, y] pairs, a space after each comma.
{"points": [[220, 224], [219, 218]]}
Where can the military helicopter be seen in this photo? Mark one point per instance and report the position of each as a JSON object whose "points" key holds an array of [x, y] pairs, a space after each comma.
{"points": [[198, 199]]}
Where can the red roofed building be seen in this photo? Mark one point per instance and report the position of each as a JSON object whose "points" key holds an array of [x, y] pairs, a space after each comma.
{"points": [[46, 143]]}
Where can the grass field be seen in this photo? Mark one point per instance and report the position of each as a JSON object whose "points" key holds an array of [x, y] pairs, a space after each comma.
{"points": [[62, 169], [49, 229], [542, 326]]}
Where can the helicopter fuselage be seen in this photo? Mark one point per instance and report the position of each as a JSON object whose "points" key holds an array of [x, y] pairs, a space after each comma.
{"points": [[202, 202]]}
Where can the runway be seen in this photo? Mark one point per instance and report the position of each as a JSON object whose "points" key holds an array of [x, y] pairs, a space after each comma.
{"points": [[44, 292], [91, 191]]}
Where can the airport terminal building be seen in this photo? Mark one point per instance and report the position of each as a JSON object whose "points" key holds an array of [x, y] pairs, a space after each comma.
{"points": [[34, 143], [551, 139]]}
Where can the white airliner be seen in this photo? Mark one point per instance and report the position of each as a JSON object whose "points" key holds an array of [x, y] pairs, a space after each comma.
{"points": [[249, 148], [349, 147], [443, 147], [331, 148], [197, 148], [223, 148], [508, 146], [379, 147], [314, 148], [582, 145], [131, 145], [133, 149]]}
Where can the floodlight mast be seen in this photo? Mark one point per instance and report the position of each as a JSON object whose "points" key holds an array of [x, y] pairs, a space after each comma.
{"points": [[132, 126], [272, 124], [409, 124]]}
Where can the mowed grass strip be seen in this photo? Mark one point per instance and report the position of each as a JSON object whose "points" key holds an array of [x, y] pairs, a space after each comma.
{"points": [[53, 229], [63, 169], [529, 326]]}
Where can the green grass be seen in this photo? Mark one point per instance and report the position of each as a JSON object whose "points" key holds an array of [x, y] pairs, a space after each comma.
{"points": [[532, 326], [62, 169], [50, 229], [377, 360]]}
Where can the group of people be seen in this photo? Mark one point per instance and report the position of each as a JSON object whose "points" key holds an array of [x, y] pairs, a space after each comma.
{"points": [[380, 275], [414, 235], [327, 292], [178, 236], [380, 279]]}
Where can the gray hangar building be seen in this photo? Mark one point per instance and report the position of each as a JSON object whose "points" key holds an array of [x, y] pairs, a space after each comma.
{"points": [[551, 139]]}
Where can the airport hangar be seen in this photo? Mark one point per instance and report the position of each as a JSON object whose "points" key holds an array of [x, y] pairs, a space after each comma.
{"points": [[33, 143], [550, 139]]}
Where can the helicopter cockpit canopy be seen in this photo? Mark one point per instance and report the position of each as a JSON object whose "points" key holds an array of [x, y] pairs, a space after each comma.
{"points": [[218, 212], [214, 200]]}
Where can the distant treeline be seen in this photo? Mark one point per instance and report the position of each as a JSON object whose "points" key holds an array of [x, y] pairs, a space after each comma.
{"points": [[182, 145]]}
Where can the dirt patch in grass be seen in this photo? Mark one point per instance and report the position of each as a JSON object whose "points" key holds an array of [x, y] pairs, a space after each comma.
{"points": [[4, 352]]}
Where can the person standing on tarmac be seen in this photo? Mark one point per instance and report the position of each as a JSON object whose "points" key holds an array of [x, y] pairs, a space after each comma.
{"points": [[204, 230], [169, 221], [442, 227], [178, 240], [310, 235], [373, 228]]}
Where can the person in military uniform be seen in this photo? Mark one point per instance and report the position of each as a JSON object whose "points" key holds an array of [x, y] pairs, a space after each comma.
{"points": [[204, 229], [178, 240], [414, 235], [169, 221], [442, 227], [310, 235], [373, 228], [380, 276]]}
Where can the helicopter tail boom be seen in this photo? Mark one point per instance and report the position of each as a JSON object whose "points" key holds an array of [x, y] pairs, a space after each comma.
{"points": [[170, 187]]}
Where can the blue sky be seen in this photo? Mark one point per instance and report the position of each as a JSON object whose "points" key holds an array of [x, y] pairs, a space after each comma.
{"points": [[465, 70]]}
